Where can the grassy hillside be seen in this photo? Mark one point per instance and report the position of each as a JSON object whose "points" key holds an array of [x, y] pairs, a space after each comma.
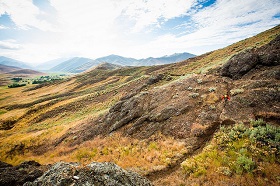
{"points": [[239, 154], [93, 117]]}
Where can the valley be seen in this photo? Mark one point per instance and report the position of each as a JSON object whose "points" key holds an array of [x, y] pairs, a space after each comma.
{"points": [[166, 122]]}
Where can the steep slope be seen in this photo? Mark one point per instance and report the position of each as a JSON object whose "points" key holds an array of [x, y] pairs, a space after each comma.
{"points": [[12, 62], [71, 65], [147, 119]]}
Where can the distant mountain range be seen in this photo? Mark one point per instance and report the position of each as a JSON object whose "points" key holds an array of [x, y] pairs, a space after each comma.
{"points": [[81, 64], [77, 65]]}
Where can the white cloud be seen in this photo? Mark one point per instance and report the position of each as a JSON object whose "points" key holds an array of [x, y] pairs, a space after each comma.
{"points": [[223, 23], [237, 18], [3, 27], [232, 12], [94, 28], [24, 14], [9, 45], [152, 12]]}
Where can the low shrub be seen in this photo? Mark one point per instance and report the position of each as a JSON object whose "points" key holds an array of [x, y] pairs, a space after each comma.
{"points": [[234, 92], [238, 150], [193, 95], [212, 89], [15, 85], [199, 81]]}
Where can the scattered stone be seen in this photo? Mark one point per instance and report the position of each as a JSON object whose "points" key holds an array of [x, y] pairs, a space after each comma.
{"points": [[76, 177]]}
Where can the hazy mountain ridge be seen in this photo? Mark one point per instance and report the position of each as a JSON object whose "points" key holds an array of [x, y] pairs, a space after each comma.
{"points": [[50, 64], [81, 64], [177, 57], [71, 65], [12, 62], [77, 65]]}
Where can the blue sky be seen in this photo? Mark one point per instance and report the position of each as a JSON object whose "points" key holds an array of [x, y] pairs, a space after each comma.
{"points": [[41, 30]]}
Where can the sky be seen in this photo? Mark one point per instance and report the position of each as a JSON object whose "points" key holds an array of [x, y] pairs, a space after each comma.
{"points": [[35, 31]]}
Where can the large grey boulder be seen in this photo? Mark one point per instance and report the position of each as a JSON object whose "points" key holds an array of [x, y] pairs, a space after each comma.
{"points": [[242, 63], [97, 174]]}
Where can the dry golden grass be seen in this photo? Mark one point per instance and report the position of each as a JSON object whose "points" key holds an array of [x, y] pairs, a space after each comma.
{"points": [[211, 98], [93, 99], [141, 156]]}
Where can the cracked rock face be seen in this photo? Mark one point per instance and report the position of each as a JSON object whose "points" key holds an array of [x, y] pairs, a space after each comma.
{"points": [[242, 63], [98, 174], [18, 175]]}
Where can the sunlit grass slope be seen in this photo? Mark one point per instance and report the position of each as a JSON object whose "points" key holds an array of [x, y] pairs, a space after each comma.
{"points": [[38, 116]]}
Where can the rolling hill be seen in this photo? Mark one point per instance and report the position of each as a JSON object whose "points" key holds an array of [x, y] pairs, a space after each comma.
{"points": [[105, 66], [26, 72], [7, 69], [165, 122]]}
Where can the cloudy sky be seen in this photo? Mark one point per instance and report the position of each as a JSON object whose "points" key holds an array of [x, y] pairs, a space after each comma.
{"points": [[35, 31]]}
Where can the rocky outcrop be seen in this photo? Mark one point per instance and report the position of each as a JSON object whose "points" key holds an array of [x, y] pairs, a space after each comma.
{"points": [[18, 175], [242, 63], [126, 111], [171, 109], [98, 174]]}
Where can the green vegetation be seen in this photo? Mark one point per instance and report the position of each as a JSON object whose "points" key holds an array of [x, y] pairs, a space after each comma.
{"points": [[194, 95], [212, 89], [44, 79], [238, 150], [2, 111], [17, 79], [15, 85]]}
